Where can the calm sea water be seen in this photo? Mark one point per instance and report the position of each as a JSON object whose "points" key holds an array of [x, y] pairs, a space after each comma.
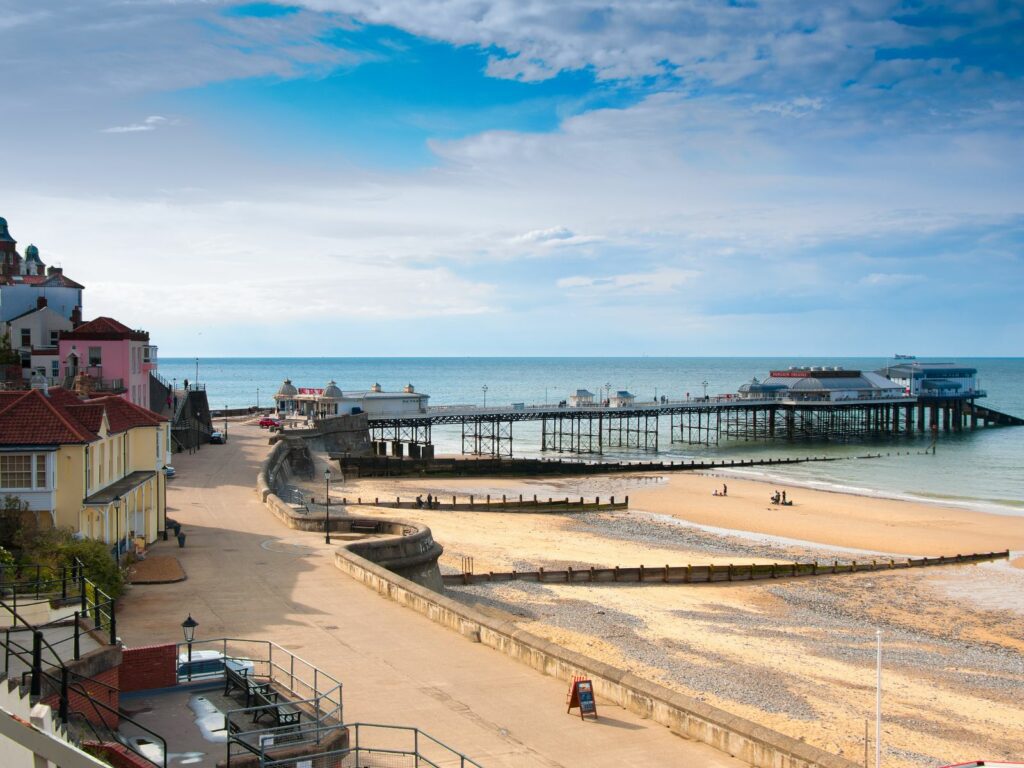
{"points": [[980, 469]]}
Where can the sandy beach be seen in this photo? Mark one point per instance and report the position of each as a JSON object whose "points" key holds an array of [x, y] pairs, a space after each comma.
{"points": [[796, 655]]}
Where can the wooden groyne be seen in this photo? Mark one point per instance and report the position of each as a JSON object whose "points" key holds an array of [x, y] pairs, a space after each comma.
{"points": [[704, 574], [392, 466], [492, 504]]}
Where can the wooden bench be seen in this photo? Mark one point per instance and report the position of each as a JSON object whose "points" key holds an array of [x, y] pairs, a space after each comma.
{"points": [[283, 714], [363, 526]]}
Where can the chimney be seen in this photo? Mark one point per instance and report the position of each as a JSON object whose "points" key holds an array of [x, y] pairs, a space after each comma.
{"points": [[76, 317], [51, 271], [40, 302]]}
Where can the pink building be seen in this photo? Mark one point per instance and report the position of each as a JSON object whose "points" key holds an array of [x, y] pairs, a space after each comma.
{"points": [[104, 355]]}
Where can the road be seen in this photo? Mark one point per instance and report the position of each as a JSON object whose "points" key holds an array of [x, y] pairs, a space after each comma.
{"points": [[248, 579]]}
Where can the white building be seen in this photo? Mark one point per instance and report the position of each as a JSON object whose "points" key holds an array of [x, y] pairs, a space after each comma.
{"points": [[821, 383], [581, 398], [935, 380], [621, 399], [34, 335], [332, 401]]}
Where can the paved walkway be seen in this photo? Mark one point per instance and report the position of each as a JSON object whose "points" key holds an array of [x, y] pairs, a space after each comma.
{"points": [[251, 577]]}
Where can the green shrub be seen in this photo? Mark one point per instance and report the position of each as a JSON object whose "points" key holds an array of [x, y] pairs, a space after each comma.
{"points": [[100, 567]]}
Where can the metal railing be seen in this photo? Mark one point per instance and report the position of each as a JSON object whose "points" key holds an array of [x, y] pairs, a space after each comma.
{"points": [[77, 695]]}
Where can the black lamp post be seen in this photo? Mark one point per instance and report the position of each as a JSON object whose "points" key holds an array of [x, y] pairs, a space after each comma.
{"points": [[188, 626], [225, 422], [327, 501], [117, 530]]}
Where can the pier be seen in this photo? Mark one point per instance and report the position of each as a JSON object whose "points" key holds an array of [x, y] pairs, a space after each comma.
{"points": [[595, 428]]}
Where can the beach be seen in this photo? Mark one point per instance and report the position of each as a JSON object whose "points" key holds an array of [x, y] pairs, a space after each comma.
{"points": [[796, 655]]}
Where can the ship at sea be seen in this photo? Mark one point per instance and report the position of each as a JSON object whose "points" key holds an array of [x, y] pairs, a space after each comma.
{"points": [[904, 357]]}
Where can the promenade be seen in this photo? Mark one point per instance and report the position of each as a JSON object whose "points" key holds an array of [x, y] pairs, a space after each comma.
{"points": [[250, 577]]}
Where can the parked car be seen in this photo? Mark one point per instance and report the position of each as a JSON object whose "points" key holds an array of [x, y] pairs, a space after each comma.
{"points": [[206, 663], [169, 471], [217, 437], [269, 421]]}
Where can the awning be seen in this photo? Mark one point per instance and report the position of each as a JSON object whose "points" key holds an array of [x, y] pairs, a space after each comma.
{"points": [[120, 488]]}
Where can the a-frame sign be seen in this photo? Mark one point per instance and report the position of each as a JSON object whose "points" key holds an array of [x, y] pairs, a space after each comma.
{"points": [[581, 694]]}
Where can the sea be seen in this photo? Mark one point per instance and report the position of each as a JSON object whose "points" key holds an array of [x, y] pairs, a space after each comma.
{"points": [[979, 469]]}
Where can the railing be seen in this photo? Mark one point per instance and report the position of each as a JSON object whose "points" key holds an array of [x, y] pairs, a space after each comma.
{"points": [[369, 739], [43, 666], [293, 674]]}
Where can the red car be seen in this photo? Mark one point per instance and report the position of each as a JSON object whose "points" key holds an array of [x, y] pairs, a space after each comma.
{"points": [[269, 421]]}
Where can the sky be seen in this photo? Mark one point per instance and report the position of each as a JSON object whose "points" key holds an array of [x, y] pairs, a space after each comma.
{"points": [[563, 177]]}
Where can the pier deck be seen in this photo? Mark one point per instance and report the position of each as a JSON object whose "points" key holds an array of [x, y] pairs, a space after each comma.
{"points": [[591, 429]]}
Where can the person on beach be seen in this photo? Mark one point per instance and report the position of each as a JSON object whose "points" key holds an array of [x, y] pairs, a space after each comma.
{"points": [[430, 500], [419, 502], [783, 497], [776, 498], [725, 489]]}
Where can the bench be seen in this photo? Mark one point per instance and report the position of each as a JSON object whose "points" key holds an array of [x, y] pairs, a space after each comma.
{"points": [[283, 714], [363, 526], [240, 679]]}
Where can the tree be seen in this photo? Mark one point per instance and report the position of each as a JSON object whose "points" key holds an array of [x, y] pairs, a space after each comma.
{"points": [[13, 512]]}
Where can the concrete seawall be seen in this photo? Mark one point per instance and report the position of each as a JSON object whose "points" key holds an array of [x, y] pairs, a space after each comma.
{"points": [[403, 568], [405, 548], [692, 719]]}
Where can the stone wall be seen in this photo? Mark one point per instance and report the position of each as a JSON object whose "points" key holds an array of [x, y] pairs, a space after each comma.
{"points": [[347, 435], [692, 719]]}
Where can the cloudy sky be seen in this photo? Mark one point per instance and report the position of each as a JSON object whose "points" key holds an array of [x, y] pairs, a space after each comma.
{"points": [[526, 177]]}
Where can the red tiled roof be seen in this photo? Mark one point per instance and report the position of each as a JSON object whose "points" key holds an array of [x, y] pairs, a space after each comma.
{"points": [[60, 416], [33, 419], [46, 281], [122, 414], [104, 328]]}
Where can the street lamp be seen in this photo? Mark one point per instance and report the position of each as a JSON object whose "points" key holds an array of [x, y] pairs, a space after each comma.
{"points": [[257, 398], [484, 388], [225, 422], [117, 530], [188, 626], [608, 392], [327, 501], [705, 385]]}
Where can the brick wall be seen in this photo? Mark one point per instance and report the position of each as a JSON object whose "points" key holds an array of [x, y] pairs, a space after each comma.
{"points": [[150, 666], [102, 687]]}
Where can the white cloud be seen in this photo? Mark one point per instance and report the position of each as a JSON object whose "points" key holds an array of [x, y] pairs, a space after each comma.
{"points": [[151, 123], [890, 280], [657, 282]]}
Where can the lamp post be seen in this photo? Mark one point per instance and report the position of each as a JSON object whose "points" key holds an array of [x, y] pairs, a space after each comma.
{"points": [[705, 385], [608, 392], [225, 422], [188, 626], [117, 530], [257, 398], [484, 388], [327, 502], [197, 373]]}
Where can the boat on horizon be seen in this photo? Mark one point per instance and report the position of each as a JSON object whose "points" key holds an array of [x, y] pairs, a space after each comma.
{"points": [[904, 357]]}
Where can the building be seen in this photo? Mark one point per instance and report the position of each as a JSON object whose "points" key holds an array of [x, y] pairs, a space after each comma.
{"points": [[25, 280], [104, 355], [821, 383], [330, 401], [93, 465], [942, 381], [34, 335], [581, 397], [621, 399]]}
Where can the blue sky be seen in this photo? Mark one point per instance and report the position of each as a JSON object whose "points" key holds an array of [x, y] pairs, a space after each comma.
{"points": [[473, 177]]}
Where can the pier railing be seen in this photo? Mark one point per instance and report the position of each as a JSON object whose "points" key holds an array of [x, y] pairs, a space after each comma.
{"points": [[703, 574]]}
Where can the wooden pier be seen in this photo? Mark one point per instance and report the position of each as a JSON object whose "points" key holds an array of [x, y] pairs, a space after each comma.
{"points": [[593, 429]]}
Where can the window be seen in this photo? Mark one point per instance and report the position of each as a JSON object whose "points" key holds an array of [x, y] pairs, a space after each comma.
{"points": [[26, 337], [55, 369], [95, 356], [40, 471], [16, 471], [54, 338]]}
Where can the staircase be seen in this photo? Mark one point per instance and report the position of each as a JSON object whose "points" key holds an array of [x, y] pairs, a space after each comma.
{"points": [[990, 416], [36, 677]]}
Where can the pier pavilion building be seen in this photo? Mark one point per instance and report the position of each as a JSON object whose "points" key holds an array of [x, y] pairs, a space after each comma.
{"points": [[330, 400], [823, 383]]}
